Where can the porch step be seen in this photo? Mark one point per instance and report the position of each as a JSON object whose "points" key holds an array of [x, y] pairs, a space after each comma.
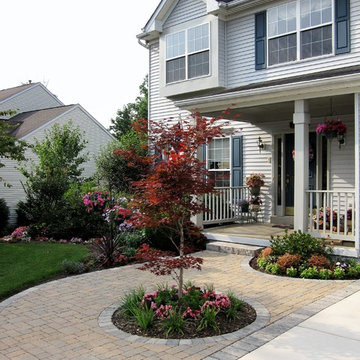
{"points": [[238, 249]]}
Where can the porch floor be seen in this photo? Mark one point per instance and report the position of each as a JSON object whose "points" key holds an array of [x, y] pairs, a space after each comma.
{"points": [[254, 230]]}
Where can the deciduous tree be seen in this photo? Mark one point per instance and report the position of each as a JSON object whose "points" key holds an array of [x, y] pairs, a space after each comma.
{"points": [[169, 193]]}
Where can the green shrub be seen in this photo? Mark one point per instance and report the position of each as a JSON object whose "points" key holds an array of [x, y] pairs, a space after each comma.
{"points": [[72, 267], [132, 301], [353, 271], [192, 298], [235, 307], [144, 316], [298, 243], [310, 273], [129, 252], [159, 238], [208, 319], [325, 274], [174, 323], [292, 272], [166, 296], [262, 262], [339, 273], [132, 239], [273, 269], [4, 217]]}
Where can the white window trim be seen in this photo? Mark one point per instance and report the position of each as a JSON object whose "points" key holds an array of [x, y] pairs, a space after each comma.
{"points": [[230, 158], [187, 54], [298, 32]]}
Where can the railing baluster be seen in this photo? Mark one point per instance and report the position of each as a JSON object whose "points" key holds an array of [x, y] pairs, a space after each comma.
{"points": [[311, 211]]}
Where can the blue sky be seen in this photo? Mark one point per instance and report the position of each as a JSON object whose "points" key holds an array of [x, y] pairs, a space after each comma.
{"points": [[84, 51]]}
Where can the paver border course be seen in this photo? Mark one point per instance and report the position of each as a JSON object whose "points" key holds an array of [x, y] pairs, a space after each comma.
{"points": [[262, 319]]}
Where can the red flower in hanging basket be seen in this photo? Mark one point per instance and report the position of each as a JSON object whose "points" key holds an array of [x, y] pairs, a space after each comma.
{"points": [[331, 128]]}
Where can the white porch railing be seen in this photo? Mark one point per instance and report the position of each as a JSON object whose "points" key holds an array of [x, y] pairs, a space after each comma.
{"points": [[332, 214], [227, 204]]}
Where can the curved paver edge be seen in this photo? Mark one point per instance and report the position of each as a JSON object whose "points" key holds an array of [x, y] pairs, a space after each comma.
{"points": [[262, 319]]}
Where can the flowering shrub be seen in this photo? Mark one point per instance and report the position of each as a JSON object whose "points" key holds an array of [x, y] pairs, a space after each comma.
{"points": [[255, 180], [21, 234], [96, 200], [331, 128], [301, 255]]}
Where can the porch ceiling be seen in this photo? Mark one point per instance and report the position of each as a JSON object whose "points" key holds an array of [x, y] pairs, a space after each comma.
{"points": [[319, 107]]}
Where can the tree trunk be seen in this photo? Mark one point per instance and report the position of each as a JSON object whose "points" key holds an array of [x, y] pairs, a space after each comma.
{"points": [[181, 254]]}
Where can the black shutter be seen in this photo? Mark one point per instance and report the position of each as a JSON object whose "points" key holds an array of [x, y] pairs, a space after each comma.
{"points": [[260, 40], [237, 161], [342, 26]]}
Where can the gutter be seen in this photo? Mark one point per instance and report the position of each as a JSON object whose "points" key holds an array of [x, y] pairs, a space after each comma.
{"points": [[277, 93]]}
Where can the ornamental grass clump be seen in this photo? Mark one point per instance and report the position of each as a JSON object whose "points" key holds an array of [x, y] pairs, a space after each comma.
{"points": [[301, 255], [199, 312]]}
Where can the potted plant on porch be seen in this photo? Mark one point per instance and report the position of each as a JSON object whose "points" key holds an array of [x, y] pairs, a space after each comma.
{"points": [[255, 182]]}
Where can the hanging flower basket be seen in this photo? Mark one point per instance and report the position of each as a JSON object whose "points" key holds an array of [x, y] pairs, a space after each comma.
{"points": [[332, 129]]}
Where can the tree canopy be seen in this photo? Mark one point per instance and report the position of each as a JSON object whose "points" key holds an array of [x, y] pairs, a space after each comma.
{"points": [[10, 147], [131, 112]]}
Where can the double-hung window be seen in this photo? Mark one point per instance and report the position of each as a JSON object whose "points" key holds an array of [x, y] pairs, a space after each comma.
{"points": [[282, 33], [299, 29], [187, 54], [315, 28], [218, 161]]}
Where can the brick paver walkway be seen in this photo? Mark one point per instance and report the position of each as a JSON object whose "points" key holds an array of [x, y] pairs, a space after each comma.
{"points": [[59, 319]]}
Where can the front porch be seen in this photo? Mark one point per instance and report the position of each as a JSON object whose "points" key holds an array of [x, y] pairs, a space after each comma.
{"points": [[310, 180], [259, 234]]}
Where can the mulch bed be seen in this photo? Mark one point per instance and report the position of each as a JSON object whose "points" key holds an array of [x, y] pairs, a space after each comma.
{"points": [[246, 317]]}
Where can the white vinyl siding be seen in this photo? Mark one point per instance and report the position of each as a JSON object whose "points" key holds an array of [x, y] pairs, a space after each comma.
{"points": [[342, 161], [160, 108], [240, 53], [185, 10]]}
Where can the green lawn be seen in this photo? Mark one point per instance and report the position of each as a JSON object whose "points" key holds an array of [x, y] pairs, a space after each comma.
{"points": [[25, 264]]}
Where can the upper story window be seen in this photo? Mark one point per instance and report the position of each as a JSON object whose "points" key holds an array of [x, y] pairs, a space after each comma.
{"points": [[187, 54], [299, 30]]}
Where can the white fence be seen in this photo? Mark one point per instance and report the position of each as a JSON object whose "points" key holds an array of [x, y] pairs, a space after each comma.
{"points": [[228, 204], [332, 214]]}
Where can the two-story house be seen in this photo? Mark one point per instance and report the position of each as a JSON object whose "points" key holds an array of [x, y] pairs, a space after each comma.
{"points": [[285, 66]]}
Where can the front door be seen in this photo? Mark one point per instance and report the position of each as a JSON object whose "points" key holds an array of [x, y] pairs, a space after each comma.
{"points": [[286, 160]]}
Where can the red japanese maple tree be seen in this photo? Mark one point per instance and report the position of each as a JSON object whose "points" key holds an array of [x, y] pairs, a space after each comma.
{"points": [[169, 193]]}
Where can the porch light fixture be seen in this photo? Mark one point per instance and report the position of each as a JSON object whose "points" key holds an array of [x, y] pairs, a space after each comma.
{"points": [[341, 139], [260, 144]]}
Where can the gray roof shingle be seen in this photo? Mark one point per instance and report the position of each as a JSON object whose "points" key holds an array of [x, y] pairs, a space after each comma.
{"points": [[6, 93], [29, 121]]}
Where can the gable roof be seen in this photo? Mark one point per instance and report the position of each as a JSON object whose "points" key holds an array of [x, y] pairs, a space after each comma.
{"points": [[9, 93], [6, 93], [154, 26], [29, 121]]}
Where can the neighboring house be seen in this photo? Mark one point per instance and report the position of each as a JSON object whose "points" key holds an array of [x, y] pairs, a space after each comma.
{"points": [[38, 110], [284, 66]]}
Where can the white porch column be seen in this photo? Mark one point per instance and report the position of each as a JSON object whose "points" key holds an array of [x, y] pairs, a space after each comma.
{"points": [[301, 120], [357, 172]]}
